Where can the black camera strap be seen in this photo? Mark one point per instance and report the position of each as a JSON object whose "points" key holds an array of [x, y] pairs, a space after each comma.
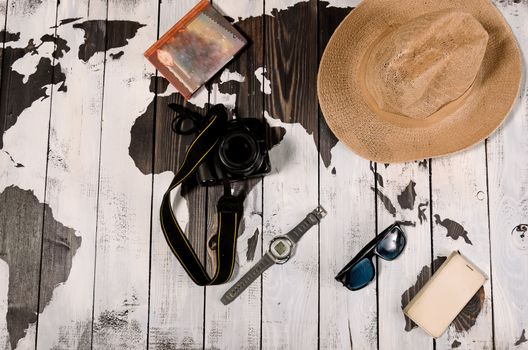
{"points": [[230, 210]]}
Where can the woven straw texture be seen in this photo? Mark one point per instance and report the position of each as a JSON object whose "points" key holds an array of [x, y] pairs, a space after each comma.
{"points": [[409, 80]]}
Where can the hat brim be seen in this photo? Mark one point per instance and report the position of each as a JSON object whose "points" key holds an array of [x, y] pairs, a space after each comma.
{"points": [[382, 139]]}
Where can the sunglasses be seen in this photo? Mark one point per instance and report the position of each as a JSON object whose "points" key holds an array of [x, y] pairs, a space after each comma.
{"points": [[360, 270]]}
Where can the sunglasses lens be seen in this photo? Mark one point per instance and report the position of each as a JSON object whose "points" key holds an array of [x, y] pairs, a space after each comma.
{"points": [[392, 245], [359, 275]]}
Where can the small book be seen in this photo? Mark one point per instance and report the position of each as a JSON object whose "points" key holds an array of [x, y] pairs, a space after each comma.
{"points": [[445, 294], [195, 48]]}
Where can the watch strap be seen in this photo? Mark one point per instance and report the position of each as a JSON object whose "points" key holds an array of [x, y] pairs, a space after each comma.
{"points": [[262, 265], [311, 219]]}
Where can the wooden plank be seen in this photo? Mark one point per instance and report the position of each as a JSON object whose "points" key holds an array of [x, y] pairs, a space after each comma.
{"points": [[4, 36], [463, 177], [237, 325], [4, 290], [21, 214], [508, 206], [397, 276], [72, 180], [172, 293], [290, 291], [347, 319], [27, 75], [125, 193], [176, 303], [4, 267]]}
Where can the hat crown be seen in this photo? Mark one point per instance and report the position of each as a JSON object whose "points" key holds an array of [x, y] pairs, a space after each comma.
{"points": [[425, 63]]}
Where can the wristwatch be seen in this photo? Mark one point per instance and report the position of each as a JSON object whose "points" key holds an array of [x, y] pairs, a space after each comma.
{"points": [[280, 250]]}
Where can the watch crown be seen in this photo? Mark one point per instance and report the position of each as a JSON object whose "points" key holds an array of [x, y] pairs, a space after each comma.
{"points": [[319, 212]]}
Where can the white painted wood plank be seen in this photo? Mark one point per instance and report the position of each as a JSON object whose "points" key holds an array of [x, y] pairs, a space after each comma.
{"points": [[176, 303], [347, 319], [25, 142], [32, 124], [290, 291], [508, 204], [73, 176], [459, 196], [290, 302], [123, 238], [237, 325], [395, 277]]}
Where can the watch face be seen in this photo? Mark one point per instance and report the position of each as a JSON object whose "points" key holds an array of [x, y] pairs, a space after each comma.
{"points": [[281, 248]]}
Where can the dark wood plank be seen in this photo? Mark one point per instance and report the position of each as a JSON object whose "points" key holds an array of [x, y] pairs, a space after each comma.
{"points": [[329, 19], [20, 247], [4, 35], [169, 150], [291, 61]]}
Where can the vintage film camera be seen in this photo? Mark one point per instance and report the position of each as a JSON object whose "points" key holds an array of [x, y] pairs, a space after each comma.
{"points": [[241, 153]]}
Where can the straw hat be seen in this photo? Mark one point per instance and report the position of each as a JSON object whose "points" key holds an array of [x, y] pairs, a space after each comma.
{"points": [[407, 80]]}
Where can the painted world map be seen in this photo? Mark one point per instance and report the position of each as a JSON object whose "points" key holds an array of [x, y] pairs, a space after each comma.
{"points": [[31, 87], [81, 64], [20, 243]]}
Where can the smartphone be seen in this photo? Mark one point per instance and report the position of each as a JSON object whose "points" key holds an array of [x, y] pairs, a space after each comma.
{"points": [[445, 294]]}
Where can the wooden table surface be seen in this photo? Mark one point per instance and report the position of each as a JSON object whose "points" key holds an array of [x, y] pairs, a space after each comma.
{"points": [[86, 152]]}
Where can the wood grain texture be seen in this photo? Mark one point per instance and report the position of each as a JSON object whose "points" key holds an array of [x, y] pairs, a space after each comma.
{"points": [[24, 115], [452, 178], [290, 291], [4, 267], [125, 194], [72, 183], [329, 19], [172, 292], [508, 204], [4, 36], [347, 319], [238, 325], [21, 249], [395, 277], [98, 212]]}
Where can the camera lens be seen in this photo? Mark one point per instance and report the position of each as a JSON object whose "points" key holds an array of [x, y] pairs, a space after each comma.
{"points": [[239, 152]]}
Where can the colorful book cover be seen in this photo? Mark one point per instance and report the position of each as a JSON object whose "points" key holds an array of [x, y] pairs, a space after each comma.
{"points": [[195, 48]]}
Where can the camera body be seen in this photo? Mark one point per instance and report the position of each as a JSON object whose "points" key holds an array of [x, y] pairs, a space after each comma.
{"points": [[241, 153]]}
